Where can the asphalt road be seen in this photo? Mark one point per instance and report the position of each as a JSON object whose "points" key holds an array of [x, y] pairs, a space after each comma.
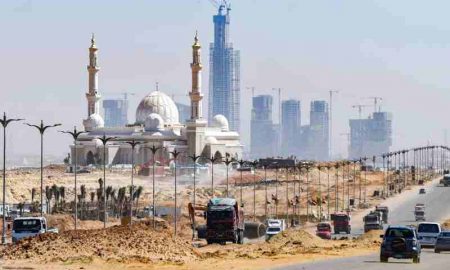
{"points": [[437, 209]]}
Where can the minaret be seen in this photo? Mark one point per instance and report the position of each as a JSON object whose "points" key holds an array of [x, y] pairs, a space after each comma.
{"points": [[93, 96], [195, 95], [196, 126]]}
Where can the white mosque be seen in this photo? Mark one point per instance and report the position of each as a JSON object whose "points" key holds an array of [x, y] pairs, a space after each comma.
{"points": [[157, 124]]}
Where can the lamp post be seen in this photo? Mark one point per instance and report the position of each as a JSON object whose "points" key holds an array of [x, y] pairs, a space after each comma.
{"points": [[227, 162], [153, 149], [133, 144], [265, 190], [328, 189], [75, 134], [365, 178], [307, 167], [5, 122], [276, 191], [104, 141], [320, 195], [42, 128], [212, 159], [241, 167], [287, 194], [194, 159], [383, 156], [175, 154], [336, 188], [254, 164]]}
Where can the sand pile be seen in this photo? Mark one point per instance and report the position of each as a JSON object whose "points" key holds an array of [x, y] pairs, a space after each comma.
{"points": [[120, 244], [446, 224]]}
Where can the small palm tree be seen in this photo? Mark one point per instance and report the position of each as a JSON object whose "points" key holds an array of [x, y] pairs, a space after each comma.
{"points": [[33, 194], [56, 195], [82, 199], [48, 196], [137, 196], [21, 206]]}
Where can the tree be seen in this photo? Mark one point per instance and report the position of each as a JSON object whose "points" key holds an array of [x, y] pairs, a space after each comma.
{"points": [[62, 193], [21, 205], [48, 196], [82, 199], [56, 195], [33, 194], [138, 194]]}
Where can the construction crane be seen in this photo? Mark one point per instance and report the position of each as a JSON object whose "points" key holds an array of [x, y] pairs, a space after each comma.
{"points": [[360, 107], [219, 4], [375, 102]]}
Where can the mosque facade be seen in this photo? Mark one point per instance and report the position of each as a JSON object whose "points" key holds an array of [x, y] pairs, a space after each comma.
{"points": [[157, 124]]}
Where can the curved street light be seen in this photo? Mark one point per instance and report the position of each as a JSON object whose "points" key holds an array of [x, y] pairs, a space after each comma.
{"points": [[194, 159], [175, 154], [213, 160], [227, 162], [42, 128], [241, 164], [5, 122], [104, 141], [254, 164], [75, 134], [133, 145], [153, 149]]}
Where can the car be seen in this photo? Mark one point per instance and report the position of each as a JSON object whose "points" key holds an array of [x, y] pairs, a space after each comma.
{"points": [[422, 191], [442, 242], [428, 231], [400, 242], [324, 230]]}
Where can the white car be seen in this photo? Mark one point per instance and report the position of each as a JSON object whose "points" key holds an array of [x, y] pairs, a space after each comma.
{"points": [[428, 233], [275, 226], [29, 227]]}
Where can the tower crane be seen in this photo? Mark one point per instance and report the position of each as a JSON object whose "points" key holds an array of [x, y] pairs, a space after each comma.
{"points": [[375, 102], [360, 107]]}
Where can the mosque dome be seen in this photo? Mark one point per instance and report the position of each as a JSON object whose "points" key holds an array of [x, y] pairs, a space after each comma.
{"points": [[95, 120], [220, 121], [98, 143], [158, 103], [211, 140], [154, 121]]}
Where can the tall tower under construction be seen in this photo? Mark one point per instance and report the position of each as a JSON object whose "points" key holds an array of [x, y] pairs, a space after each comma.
{"points": [[224, 77]]}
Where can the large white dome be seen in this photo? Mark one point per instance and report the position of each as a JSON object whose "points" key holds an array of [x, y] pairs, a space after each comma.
{"points": [[220, 121], [94, 121], [159, 103]]}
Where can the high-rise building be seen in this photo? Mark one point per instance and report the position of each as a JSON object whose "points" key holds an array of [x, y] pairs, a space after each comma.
{"points": [[184, 112], [372, 136], [224, 78], [116, 112], [317, 136], [263, 131], [290, 127]]}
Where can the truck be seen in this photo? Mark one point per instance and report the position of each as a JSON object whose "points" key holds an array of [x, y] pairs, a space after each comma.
{"points": [[341, 222], [274, 227], [384, 213], [419, 212], [29, 227], [224, 220], [446, 180], [373, 221]]}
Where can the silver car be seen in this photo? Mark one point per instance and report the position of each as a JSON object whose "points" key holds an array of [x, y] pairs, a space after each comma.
{"points": [[442, 242]]}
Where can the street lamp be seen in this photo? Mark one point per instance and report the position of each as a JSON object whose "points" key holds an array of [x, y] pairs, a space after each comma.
{"points": [[104, 141], [75, 134], [5, 121], [365, 179], [175, 154], [241, 166], [320, 196], [328, 187], [213, 159], [133, 144], [336, 189], [254, 164], [227, 162], [42, 128], [194, 159], [153, 149]]}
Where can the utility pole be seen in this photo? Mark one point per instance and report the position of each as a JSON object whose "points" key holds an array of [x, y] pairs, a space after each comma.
{"points": [[330, 126], [375, 103]]}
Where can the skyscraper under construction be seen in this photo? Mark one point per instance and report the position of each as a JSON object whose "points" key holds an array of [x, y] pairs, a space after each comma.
{"points": [[224, 77]]}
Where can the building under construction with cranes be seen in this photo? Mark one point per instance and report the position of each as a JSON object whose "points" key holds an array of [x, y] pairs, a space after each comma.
{"points": [[370, 137], [224, 76]]}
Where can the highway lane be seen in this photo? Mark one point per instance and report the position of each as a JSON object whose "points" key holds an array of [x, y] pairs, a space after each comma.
{"points": [[437, 205]]}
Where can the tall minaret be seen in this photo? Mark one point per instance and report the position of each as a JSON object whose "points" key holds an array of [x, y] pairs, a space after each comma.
{"points": [[93, 96], [196, 94]]}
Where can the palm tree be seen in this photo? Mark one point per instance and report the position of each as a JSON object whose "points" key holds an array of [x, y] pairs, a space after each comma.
{"points": [[21, 206], [82, 198], [138, 194], [33, 194], [48, 196], [121, 198], [62, 193], [55, 191]]}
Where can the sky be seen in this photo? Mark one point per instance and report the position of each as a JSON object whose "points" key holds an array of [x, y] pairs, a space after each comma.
{"points": [[397, 50]]}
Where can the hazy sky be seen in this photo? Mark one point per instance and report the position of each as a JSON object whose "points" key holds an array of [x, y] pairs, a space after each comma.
{"points": [[398, 50]]}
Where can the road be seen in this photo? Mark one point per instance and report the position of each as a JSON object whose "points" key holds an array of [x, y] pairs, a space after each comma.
{"points": [[437, 202]]}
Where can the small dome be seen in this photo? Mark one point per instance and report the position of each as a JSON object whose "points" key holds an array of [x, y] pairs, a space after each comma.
{"points": [[220, 121], [98, 143], [211, 140], [159, 103], [95, 120], [154, 121]]}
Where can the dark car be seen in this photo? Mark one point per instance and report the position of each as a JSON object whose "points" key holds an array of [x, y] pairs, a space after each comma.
{"points": [[442, 242], [400, 242]]}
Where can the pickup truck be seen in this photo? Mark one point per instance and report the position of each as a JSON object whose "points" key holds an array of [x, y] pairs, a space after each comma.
{"points": [[29, 227]]}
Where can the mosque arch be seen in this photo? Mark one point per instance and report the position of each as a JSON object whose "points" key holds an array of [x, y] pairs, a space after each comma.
{"points": [[90, 159]]}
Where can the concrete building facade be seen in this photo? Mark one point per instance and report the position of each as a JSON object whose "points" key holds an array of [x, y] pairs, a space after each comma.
{"points": [[263, 132], [116, 112], [290, 127]]}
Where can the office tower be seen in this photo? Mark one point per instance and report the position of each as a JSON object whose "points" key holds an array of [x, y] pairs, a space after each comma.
{"points": [[317, 133], [263, 132], [224, 78], [184, 112], [290, 127], [116, 112], [371, 136]]}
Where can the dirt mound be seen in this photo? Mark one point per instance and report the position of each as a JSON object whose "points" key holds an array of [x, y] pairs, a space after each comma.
{"points": [[118, 243], [370, 238], [296, 237], [446, 224]]}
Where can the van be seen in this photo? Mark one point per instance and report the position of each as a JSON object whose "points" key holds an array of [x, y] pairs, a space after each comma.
{"points": [[428, 233]]}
